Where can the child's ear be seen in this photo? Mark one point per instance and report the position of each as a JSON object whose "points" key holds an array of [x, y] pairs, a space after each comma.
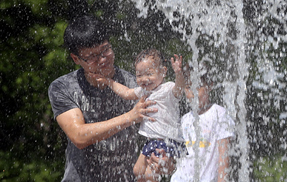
{"points": [[164, 71], [210, 86]]}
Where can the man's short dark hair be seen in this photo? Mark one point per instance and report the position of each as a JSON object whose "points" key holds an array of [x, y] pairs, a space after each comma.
{"points": [[84, 32]]}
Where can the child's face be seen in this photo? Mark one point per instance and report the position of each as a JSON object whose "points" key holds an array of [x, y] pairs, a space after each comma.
{"points": [[149, 74], [203, 94]]}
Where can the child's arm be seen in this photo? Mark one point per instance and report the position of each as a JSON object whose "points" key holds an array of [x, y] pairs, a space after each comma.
{"points": [[223, 160], [179, 78], [121, 90]]}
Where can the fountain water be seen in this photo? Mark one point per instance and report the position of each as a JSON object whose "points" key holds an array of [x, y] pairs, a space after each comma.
{"points": [[236, 55]]}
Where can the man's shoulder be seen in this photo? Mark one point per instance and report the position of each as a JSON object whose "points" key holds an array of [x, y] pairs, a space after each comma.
{"points": [[124, 72], [129, 78], [64, 79], [71, 75]]}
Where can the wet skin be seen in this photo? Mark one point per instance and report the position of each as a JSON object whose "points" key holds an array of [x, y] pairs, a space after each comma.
{"points": [[149, 74]]}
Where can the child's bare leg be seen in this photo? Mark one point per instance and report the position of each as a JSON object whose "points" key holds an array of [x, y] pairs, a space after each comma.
{"points": [[140, 168]]}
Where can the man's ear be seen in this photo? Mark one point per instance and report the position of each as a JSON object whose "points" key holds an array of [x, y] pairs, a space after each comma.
{"points": [[75, 58]]}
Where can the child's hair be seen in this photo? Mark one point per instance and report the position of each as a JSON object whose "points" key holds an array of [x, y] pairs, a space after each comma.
{"points": [[205, 73], [155, 54], [209, 75]]}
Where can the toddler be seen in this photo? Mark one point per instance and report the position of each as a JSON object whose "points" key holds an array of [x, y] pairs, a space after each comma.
{"points": [[165, 132]]}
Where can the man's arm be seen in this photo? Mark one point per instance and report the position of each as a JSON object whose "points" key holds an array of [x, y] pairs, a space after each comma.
{"points": [[82, 134], [179, 78], [223, 160]]}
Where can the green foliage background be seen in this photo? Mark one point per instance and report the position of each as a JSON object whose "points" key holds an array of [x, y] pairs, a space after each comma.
{"points": [[32, 56]]}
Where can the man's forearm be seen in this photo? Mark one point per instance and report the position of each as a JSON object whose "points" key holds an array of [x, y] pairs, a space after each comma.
{"points": [[83, 134]]}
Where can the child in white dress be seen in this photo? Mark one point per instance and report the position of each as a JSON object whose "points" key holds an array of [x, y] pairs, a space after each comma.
{"points": [[210, 147], [165, 132]]}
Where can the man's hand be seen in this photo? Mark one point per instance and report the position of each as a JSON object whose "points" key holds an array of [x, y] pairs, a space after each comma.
{"points": [[140, 110]]}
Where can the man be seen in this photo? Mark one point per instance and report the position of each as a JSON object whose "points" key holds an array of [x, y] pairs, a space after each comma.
{"points": [[99, 124]]}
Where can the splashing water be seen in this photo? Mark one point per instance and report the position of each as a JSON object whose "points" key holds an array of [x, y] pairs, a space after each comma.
{"points": [[221, 24]]}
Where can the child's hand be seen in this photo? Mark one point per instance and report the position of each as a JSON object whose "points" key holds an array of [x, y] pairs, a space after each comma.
{"points": [[101, 79], [98, 79], [177, 64]]}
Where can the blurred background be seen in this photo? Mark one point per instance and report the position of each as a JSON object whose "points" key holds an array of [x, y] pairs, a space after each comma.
{"points": [[32, 55]]}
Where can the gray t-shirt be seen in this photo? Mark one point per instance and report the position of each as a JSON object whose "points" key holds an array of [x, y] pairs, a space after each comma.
{"points": [[108, 160]]}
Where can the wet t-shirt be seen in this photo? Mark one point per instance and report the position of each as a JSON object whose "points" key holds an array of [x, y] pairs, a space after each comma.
{"points": [[167, 123], [108, 160], [213, 125]]}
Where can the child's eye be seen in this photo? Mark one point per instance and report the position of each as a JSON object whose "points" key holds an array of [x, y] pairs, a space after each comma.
{"points": [[188, 86]]}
